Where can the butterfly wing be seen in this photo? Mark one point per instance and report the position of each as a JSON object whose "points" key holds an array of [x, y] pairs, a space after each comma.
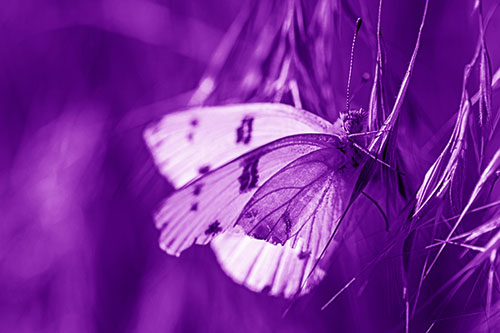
{"points": [[189, 143], [279, 270], [212, 204], [185, 143], [291, 217]]}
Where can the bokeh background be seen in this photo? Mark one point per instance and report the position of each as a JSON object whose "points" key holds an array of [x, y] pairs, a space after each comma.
{"points": [[78, 247]]}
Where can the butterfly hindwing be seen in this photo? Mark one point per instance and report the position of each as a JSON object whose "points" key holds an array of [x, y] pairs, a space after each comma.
{"points": [[188, 144], [212, 203], [294, 214], [281, 207], [278, 270]]}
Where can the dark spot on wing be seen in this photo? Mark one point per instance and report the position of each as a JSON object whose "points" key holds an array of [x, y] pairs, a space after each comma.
{"points": [[194, 122], [169, 245], [250, 175], [251, 213], [194, 206], [213, 229], [197, 189], [190, 136], [261, 232], [355, 163], [267, 289], [273, 239], [204, 169], [304, 255], [244, 132], [288, 223]]}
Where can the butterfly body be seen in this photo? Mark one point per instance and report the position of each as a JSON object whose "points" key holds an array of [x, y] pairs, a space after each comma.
{"points": [[267, 191]]}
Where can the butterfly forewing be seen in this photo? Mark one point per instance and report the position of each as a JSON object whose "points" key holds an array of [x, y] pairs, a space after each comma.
{"points": [[211, 204], [187, 144]]}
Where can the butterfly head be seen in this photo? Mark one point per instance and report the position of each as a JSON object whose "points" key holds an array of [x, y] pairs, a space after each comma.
{"points": [[353, 121]]}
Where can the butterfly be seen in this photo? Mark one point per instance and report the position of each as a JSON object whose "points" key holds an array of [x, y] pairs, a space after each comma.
{"points": [[266, 184]]}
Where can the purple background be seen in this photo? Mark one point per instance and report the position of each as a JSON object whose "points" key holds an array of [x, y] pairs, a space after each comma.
{"points": [[78, 247]]}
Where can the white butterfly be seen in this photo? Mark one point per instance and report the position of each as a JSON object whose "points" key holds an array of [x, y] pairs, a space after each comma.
{"points": [[266, 184]]}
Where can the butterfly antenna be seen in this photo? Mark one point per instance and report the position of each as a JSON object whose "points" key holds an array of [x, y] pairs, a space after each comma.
{"points": [[348, 97]]}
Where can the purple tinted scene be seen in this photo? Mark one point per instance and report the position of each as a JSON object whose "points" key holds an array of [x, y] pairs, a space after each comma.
{"points": [[80, 81]]}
